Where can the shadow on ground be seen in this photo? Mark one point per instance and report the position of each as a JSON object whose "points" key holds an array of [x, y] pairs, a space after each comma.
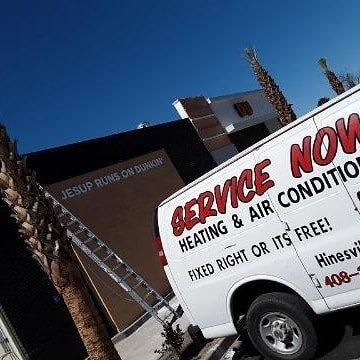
{"points": [[339, 338]]}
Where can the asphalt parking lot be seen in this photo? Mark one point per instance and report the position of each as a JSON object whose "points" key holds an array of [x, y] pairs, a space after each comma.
{"points": [[339, 339]]}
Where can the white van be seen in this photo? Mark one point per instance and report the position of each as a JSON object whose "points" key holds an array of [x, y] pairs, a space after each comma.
{"points": [[273, 234]]}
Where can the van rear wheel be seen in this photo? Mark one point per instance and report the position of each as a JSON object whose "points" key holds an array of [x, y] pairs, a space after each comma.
{"points": [[280, 325]]}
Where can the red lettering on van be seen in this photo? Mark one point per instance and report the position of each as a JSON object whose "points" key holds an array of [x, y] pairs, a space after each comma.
{"points": [[177, 221], [211, 203], [221, 196], [245, 182], [190, 214], [302, 159], [349, 136], [262, 179], [332, 146], [205, 202]]}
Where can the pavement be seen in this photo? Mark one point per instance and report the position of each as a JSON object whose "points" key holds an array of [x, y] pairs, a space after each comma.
{"points": [[142, 343], [339, 340], [217, 348]]}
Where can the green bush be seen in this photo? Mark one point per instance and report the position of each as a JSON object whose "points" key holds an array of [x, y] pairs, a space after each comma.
{"points": [[173, 340]]}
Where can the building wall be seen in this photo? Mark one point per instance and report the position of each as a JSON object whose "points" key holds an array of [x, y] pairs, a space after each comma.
{"points": [[273, 125], [207, 125], [223, 124], [122, 214], [223, 107], [121, 211], [249, 136]]}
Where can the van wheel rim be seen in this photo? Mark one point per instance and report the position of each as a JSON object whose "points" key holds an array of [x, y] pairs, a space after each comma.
{"points": [[280, 332]]}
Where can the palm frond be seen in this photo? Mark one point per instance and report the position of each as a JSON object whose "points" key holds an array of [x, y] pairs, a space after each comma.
{"points": [[323, 64], [250, 54]]}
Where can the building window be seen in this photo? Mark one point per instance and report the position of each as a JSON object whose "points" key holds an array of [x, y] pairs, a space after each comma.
{"points": [[243, 108]]}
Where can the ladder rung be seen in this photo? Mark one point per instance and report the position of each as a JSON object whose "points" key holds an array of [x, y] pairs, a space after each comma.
{"points": [[78, 231], [89, 239], [116, 267], [140, 283], [98, 248], [146, 286], [107, 258], [126, 266], [71, 222], [127, 276]]}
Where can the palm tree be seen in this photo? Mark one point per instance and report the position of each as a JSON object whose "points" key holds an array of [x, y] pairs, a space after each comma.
{"points": [[350, 79], [333, 80], [47, 240], [276, 98]]}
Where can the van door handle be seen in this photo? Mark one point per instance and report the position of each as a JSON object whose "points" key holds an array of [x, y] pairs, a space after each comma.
{"points": [[287, 227], [315, 281], [229, 246]]}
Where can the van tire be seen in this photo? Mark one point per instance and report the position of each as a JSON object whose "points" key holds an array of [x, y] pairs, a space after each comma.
{"points": [[278, 316]]}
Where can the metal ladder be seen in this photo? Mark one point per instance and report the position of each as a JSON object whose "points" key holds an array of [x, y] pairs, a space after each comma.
{"points": [[118, 269]]}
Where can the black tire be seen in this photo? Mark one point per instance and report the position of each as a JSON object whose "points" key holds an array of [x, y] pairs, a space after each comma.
{"points": [[268, 306]]}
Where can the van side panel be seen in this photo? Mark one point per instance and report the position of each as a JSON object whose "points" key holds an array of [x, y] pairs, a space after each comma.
{"points": [[207, 260], [288, 211]]}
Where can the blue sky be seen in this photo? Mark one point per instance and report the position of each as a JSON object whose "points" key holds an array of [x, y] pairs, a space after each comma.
{"points": [[74, 70]]}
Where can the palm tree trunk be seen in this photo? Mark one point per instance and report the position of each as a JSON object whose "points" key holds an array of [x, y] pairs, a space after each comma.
{"points": [[47, 240], [333, 80], [89, 324], [272, 91]]}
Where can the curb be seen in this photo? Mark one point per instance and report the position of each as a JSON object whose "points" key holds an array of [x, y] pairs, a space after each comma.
{"points": [[217, 348]]}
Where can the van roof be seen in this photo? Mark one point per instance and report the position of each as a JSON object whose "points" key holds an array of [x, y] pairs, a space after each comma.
{"points": [[263, 141]]}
